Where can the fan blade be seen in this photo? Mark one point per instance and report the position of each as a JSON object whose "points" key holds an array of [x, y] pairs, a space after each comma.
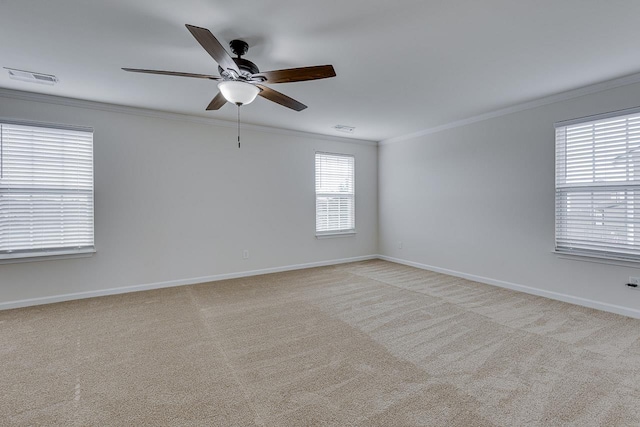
{"points": [[280, 98], [297, 74], [172, 73], [217, 102], [213, 47]]}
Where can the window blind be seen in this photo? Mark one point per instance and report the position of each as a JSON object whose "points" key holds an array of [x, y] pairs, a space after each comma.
{"points": [[335, 193], [46, 190], [598, 187]]}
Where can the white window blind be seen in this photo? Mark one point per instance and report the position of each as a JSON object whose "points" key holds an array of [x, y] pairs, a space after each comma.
{"points": [[335, 193], [46, 190], [598, 187]]}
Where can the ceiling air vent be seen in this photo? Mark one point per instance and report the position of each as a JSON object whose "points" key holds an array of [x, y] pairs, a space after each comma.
{"points": [[344, 128], [28, 76]]}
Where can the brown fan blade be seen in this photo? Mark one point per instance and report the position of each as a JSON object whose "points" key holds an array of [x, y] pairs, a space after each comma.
{"points": [[213, 47], [280, 98], [297, 74], [172, 73], [217, 102]]}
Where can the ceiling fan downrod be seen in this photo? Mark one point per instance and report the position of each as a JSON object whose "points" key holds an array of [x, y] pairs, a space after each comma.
{"points": [[239, 47]]}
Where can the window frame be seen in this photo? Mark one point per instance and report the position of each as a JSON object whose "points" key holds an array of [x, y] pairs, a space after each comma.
{"points": [[336, 232], [44, 253], [606, 255]]}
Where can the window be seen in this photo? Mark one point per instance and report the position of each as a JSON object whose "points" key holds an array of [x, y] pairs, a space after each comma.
{"points": [[598, 186], [46, 190], [335, 194]]}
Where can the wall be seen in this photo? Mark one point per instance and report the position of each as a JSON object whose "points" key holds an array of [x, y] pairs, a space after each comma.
{"points": [[478, 201], [177, 201]]}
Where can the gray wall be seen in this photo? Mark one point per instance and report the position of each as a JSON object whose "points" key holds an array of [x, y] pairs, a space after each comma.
{"points": [[178, 200], [479, 200]]}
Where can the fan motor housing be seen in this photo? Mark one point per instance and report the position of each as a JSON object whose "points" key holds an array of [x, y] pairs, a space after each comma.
{"points": [[246, 67]]}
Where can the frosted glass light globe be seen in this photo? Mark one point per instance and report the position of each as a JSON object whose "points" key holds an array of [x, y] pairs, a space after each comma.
{"points": [[238, 92]]}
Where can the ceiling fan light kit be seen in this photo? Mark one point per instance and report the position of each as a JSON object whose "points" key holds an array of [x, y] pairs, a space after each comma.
{"points": [[238, 92]]}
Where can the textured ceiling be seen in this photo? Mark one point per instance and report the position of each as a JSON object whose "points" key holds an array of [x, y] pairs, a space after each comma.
{"points": [[401, 66]]}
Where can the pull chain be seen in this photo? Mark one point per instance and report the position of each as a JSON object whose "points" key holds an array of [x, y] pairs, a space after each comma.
{"points": [[238, 125]]}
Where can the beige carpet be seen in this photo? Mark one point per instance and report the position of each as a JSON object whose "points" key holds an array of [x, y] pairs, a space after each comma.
{"points": [[363, 344]]}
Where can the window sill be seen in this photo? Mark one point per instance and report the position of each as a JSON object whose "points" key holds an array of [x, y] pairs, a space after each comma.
{"points": [[336, 234], [20, 258], [598, 259]]}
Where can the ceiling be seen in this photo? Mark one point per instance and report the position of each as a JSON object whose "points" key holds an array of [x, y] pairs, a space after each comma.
{"points": [[401, 66]]}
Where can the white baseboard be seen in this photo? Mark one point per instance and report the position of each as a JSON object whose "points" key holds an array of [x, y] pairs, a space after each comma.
{"points": [[625, 311], [181, 282], [612, 308]]}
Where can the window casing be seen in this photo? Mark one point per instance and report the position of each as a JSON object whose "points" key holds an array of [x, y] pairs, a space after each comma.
{"points": [[335, 194], [598, 186], [46, 190]]}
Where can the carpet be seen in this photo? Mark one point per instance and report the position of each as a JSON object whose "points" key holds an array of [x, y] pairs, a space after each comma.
{"points": [[364, 344]]}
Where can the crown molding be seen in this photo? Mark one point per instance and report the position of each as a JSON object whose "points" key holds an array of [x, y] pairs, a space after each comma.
{"points": [[552, 99], [165, 115]]}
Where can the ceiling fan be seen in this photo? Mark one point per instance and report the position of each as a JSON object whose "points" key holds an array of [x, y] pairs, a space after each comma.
{"points": [[240, 79]]}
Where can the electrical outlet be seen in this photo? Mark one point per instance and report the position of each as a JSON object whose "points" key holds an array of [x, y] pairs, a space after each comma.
{"points": [[400, 245], [245, 254], [634, 283]]}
